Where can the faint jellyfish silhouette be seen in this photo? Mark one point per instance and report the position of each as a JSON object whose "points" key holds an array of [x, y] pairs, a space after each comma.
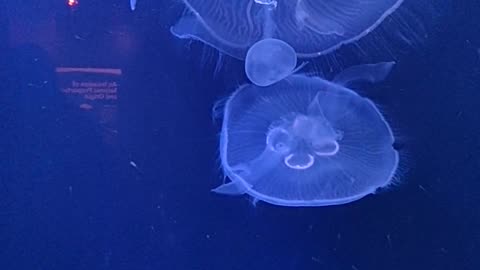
{"points": [[305, 141], [308, 27]]}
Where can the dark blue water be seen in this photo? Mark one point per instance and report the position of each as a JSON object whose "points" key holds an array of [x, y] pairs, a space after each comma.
{"points": [[125, 184]]}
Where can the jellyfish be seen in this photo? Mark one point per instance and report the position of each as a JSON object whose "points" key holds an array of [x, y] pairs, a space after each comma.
{"points": [[247, 29], [269, 61], [306, 141]]}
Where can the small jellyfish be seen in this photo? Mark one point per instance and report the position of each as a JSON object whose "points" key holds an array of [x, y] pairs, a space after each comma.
{"points": [[269, 61], [305, 141], [310, 27]]}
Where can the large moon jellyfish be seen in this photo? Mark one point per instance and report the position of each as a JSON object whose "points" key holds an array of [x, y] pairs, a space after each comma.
{"points": [[309, 27], [305, 141]]}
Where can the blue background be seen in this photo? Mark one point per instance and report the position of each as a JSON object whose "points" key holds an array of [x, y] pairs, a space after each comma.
{"points": [[68, 200]]}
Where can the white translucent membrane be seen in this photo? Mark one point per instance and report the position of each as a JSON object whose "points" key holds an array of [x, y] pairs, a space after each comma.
{"points": [[310, 27], [305, 141]]}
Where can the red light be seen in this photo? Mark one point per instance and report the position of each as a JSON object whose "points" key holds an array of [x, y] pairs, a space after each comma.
{"points": [[72, 3]]}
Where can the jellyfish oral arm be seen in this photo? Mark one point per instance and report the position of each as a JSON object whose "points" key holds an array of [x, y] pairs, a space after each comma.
{"points": [[369, 73], [231, 188]]}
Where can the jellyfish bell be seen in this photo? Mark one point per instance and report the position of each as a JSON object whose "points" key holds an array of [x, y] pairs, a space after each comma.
{"points": [[248, 29], [269, 61], [305, 141], [310, 27]]}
